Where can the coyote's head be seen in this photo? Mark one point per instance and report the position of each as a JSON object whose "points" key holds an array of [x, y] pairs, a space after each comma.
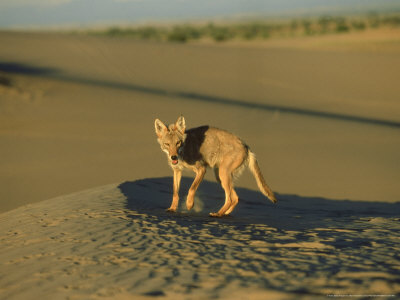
{"points": [[171, 138]]}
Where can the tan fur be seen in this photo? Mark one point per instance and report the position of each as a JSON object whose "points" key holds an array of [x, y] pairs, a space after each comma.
{"points": [[202, 147], [262, 185]]}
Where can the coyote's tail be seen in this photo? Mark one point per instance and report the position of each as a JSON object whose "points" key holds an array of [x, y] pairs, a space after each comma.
{"points": [[262, 185]]}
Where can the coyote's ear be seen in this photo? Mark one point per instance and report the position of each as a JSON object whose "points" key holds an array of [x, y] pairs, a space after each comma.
{"points": [[180, 124], [160, 128]]}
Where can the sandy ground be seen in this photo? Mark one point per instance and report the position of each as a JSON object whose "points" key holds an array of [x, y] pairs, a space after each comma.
{"points": [[117, 242], [77, 112]]}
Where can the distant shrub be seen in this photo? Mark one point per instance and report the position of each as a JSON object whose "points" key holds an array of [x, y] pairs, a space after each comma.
{"points": [[391, 20], [144, 33], [177, 35], [325, 24], [307, 27], [373, 20], [220, 33], [148, 33], [114, 31], [358, 25], [252, 31], [341, 25], [183, 33], [294, 24]]}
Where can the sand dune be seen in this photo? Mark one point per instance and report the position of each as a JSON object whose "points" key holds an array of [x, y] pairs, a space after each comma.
{"points": [[117, 242], [77, 112]]}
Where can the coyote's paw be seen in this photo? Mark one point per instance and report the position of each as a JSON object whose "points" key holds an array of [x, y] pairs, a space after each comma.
{"points": [[189, 203], [171, 209], [215, 215]]}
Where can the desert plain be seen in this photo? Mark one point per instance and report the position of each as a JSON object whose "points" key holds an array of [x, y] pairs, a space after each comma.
{"points": [[77, 127]]}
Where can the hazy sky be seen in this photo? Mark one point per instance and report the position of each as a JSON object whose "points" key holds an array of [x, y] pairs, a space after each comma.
{"points": [[25, 13]]}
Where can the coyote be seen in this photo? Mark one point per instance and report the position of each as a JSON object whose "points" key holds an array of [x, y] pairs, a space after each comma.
{"points": [[202, 147]]}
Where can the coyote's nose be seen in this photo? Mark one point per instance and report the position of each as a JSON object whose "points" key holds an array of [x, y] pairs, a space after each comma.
{"points": [[174, 157]]}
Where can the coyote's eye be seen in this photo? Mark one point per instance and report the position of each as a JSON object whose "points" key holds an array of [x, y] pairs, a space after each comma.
{"points": [[166, 144], [178, 143]]}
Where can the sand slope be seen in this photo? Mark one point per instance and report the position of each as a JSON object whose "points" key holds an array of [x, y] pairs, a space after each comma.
{"points": [[117, 242], [77, 112]]}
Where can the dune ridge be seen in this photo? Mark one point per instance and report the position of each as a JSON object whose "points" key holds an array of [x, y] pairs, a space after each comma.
{"points": [[117, 242]]}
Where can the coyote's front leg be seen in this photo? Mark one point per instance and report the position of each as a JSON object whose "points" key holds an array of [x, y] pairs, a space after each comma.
{"points": [[200, 171], [175, 197]]}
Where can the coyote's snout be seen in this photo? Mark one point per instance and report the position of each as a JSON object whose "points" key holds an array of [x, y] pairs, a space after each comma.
{"points": [[202, 147]]}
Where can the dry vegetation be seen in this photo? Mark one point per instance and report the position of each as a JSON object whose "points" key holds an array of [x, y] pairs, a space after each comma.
{"points": [[256, 30]]}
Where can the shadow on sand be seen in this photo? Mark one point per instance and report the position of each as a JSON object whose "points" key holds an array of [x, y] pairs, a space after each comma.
{"points": [[55, 74], [301, 246], [153, 196]]}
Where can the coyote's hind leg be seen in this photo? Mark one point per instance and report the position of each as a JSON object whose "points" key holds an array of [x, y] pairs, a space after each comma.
{"points": [[234, 196], [234, 202], [226, 181], [225, 175]]}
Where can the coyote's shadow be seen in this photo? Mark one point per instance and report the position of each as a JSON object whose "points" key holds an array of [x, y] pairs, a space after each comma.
{"points": [[153, 196]]}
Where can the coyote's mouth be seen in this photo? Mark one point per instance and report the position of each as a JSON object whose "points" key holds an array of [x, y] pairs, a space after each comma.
{"points": [[174, 162]]}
